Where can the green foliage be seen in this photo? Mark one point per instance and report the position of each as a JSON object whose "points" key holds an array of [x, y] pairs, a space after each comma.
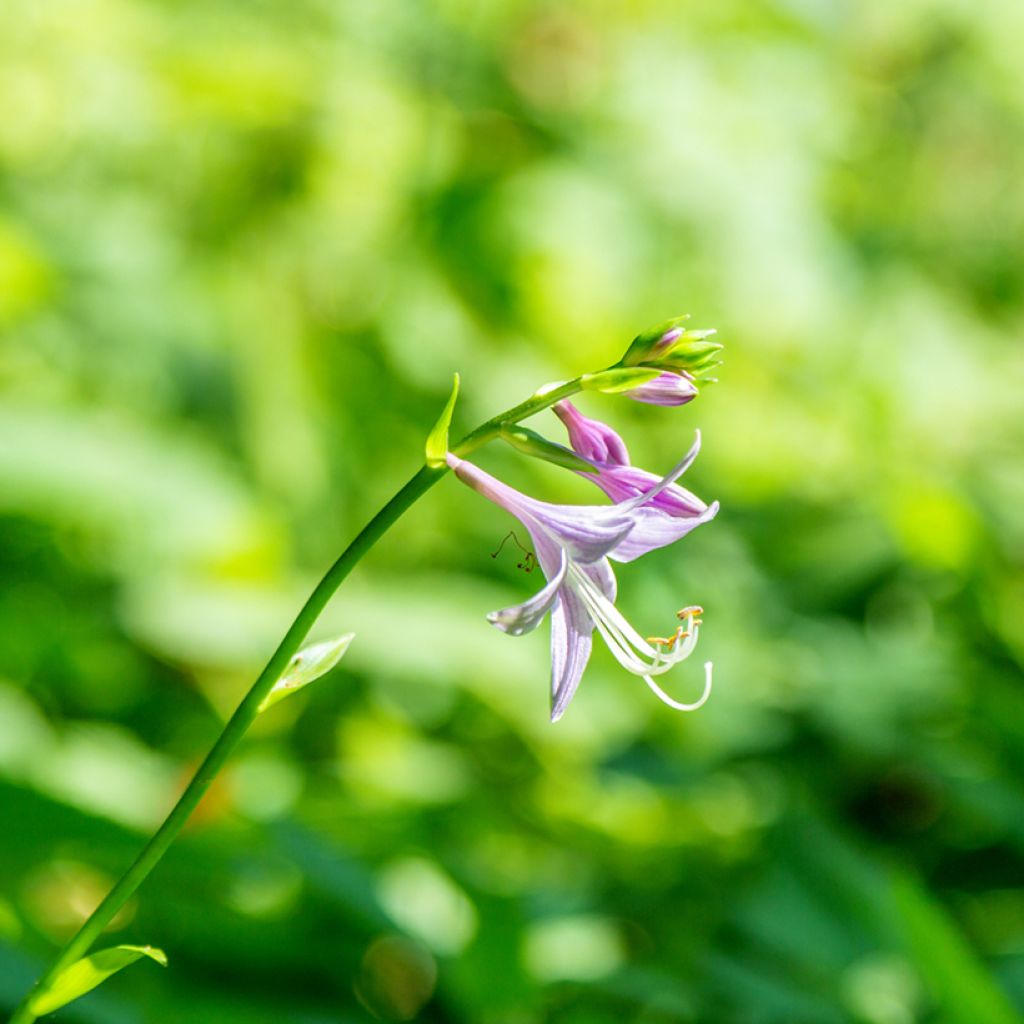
{"points": [[241, 248], [85, 974]]}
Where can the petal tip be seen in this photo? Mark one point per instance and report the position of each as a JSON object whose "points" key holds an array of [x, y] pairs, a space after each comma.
{"points": [[497, 620]]}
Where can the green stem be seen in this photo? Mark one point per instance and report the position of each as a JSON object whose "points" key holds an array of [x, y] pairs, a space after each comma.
{"points": [[248, 709], [492, 428]]}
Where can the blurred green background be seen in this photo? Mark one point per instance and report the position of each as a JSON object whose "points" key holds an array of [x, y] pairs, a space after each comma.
{"points": [[243, 247]]}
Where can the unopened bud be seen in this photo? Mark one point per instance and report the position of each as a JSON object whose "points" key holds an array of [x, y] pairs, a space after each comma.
{"points": [[669, 346], [667, 388]]}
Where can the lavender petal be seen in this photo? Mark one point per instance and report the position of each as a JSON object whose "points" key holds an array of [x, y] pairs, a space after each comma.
{"points": [[522, 618], [625, 483], [571, 643], [655, 529]]}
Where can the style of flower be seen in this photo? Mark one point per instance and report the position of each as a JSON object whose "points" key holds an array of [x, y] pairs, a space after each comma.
{"points": [[573, 545]]}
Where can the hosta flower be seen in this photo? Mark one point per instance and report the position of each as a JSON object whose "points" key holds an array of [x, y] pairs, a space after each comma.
{"points": [[673, 510], [573, 545], [666, 389]]}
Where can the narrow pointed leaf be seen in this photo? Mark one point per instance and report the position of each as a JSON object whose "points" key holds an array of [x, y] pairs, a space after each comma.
{"points": [[531, 443], [950, 968], [309, 664], [437, 439], [85, 974]]}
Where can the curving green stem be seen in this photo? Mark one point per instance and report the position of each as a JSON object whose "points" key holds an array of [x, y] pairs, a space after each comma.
{"points": [[248, 709]]}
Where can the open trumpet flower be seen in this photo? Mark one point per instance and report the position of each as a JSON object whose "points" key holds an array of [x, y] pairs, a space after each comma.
{"points": [[573, 545]]}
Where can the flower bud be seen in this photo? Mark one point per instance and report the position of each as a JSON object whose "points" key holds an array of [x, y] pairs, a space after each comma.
{"points": [[593, 440], [667, 388], [668, 346]]}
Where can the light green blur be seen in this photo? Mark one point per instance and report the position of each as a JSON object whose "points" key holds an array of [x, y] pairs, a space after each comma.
{"points": [[243, 249]]}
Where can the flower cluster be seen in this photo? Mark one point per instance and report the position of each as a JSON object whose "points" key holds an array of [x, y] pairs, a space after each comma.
{"points": [[575, 545]]}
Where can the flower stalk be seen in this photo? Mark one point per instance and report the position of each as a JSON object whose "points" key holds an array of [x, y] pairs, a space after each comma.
{"points": [[249, 708], [659, 368]]}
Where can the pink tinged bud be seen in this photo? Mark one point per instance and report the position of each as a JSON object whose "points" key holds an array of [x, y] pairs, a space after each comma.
{"points": [[592, 439], [666, 389], [667, 338]]}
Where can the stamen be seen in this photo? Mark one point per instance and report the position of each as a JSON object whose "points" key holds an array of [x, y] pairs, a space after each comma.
{"points": [[690, 610], [689, 614], [631, 651], [680, 634], [529, 562], [666, 699]]}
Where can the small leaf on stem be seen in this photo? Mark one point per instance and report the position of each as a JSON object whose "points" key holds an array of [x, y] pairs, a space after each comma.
{"points": [[306, 666], [85, 974], [437, 439]]}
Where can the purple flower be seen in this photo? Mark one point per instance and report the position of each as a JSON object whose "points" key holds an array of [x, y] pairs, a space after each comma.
{"points": [[573, 545], [671, 511], [666, 389]]}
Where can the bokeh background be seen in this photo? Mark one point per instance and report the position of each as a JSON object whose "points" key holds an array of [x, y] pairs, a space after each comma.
{"points": [[243, 247]]}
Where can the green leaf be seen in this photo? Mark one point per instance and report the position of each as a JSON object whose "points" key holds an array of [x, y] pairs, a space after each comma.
{"points": [[85, 974], [615, 381], [958, 981], [309, 664], [437, 439], [531, 443]]}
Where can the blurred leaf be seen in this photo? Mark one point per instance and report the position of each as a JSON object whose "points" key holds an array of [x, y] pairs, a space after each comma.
{"points": [[957, 980]]}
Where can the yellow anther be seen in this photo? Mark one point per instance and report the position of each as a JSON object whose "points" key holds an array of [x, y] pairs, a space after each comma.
{"points": [[691, 610], [680, 634]]}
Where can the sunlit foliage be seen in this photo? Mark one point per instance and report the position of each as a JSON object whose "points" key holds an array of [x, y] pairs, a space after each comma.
{"points": [[244, 247]]}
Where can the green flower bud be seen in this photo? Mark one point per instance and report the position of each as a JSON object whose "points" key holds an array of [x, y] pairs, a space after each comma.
{"points": [[668, 346]]}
